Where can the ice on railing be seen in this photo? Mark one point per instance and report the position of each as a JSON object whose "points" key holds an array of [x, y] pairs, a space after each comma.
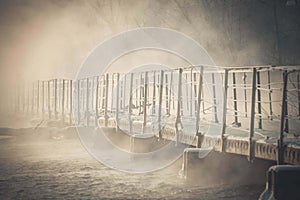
{"points": [[90, 99]]}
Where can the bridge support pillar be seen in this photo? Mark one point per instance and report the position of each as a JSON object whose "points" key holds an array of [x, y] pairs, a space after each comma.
{"points": [[142, 143], [282, 183], [207, 166], [192, 157], [200, 138]]}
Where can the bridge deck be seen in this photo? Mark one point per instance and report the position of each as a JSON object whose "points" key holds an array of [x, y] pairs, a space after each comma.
{"points": [[253, 111], [237, 139]]}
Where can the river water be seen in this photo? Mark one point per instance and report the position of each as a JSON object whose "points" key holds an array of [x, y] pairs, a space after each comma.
{"points": [[41, 164]]}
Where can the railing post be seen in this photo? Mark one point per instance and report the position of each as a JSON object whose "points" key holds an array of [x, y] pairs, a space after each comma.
{"points": [[103, 92], [141, 93], [191, 93], [298, 87], [236, 121], [19, 98], [145, 102], [121, 94], [286, 129], [214, 97], [55, 98], [178, 116], [48, 99], [161, 86], [38, 97], [154, 94], [43, 98], [172, 93], [137, 94], [117, 102], [245, 94], [124, 90], [87, 112], [223, 138], [298, 92], [93, 94], [71, 99], [259, 101], [63, 101], [28, 99], [167, 94], [67, 91], [32, 100], [199, 100], [112, 93], [15, 99], [130, 103], [97, 102], [281, 148], [195, 93], [252, 116], [198, 133], [186, 94], [24, 97], [270, 95], [106, 101], [78, 101], [203, 102]]}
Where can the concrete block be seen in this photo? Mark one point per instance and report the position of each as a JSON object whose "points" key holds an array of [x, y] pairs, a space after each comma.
{"points": [[283, 182]]}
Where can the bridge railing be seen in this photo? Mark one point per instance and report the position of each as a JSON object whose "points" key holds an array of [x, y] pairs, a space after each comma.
{"points": [[52, 98], [239, 101], [290, 111]]}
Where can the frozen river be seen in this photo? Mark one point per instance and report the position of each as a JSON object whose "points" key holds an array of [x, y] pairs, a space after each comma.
{"points": [[41, 164]]}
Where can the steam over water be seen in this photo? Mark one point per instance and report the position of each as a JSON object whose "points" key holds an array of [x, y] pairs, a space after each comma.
{"points": [[48, 163], [44, 40]]}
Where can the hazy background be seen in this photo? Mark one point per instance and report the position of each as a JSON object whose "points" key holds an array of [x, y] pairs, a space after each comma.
{"points": [[51, 38]]}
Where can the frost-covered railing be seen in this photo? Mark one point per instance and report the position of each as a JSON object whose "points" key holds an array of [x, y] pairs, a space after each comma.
{"points": [[290, 109], [248, 105], [254, 98]]}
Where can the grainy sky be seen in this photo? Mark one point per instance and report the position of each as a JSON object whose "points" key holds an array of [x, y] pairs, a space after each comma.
{"points": [[51, 38]]}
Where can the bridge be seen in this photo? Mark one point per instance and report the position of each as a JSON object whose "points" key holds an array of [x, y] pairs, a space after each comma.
{"points": [[252, 111]]}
